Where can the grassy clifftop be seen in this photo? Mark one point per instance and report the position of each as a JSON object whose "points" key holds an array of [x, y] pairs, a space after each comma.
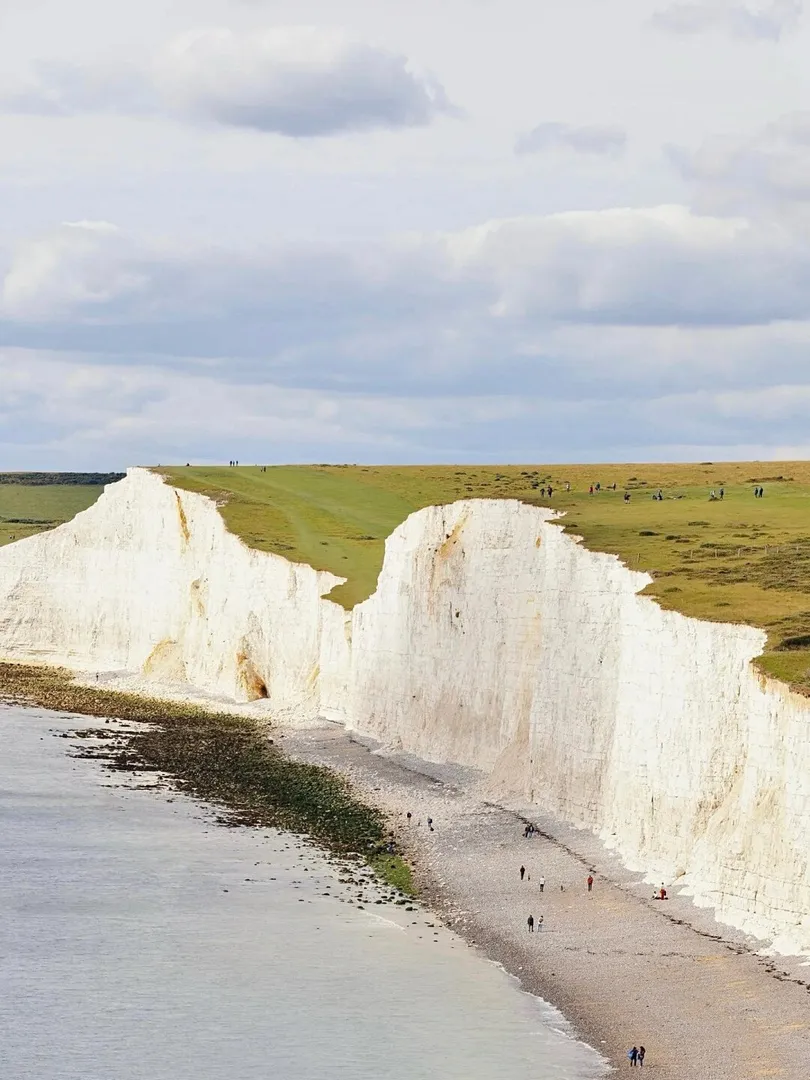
{"points": [[35, 502], [741, 559]]}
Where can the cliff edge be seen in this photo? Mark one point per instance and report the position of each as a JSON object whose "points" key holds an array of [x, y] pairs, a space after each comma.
{"points": [[493, 640]]}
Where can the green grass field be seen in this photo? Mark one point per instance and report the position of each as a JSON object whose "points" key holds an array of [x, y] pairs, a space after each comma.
{"points": [[737, 560], [27, 508]]}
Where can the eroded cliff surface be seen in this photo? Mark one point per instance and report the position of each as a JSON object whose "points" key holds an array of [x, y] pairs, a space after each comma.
{"points": [[492, 640]]}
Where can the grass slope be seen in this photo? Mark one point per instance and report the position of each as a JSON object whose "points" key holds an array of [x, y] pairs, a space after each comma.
{"points": [[33, 503], [740, 560]]}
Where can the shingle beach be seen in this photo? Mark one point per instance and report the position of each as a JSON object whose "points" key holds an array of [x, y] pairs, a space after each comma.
{"points": [[624, 969]]}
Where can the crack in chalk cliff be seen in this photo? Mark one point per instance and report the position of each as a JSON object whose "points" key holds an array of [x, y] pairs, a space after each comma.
{"points": [[184, 529]]}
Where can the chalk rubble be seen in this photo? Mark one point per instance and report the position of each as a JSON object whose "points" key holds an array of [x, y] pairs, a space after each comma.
{"points": [[493, 640]]}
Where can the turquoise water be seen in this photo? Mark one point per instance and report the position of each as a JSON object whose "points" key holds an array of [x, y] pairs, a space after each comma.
{"points": [[139, 941]]}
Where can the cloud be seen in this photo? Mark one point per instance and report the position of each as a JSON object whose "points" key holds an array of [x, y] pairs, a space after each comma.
{"points": [[294, 81], [662, 266], [768, 22], [81, 266], [63, 89], [768, 170], [579, 334], [588, 139]]}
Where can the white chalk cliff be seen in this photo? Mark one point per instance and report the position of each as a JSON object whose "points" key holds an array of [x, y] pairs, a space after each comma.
{"points": [[493, 640]]}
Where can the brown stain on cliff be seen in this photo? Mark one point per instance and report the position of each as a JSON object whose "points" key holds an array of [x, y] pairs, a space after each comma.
{"points": [[165, 661], [446, 548], [183, 521], [249, 679], [441, 573], [196, 598]]}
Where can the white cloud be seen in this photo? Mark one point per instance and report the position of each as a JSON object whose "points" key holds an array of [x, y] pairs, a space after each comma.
{"points": [[293, 81], [657, 266], [765, 21], [585, 139]]}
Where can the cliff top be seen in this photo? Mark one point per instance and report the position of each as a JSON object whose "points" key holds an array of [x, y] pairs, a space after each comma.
{"points": [[34, 502], [739, 559]]}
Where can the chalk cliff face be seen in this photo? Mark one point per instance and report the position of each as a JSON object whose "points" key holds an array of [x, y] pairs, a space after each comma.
{"points": [[492, 640], [148, 580]]}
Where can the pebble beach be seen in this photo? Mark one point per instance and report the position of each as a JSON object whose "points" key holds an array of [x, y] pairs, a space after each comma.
{"points": [[625, 969]]}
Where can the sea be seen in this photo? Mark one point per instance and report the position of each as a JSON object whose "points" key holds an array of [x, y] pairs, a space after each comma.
{"points": [[141, 940]]}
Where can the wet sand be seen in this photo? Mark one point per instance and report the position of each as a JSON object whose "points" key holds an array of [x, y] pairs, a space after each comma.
{"points": [[624, 968]]}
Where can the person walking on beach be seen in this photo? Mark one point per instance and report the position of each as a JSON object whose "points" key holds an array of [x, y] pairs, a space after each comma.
{"points": [[542, 883], [633, 1055], [641, 1055], [590, 882], [540, 923], [430, 823], [522, 872], [530, 924]]}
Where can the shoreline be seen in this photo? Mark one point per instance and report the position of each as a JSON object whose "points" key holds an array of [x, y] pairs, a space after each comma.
{"points": [[141, 939], [226, 760], [623, 969]]}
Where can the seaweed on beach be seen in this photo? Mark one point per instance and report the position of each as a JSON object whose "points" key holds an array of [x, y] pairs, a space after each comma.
{"points": [[225, 760]]}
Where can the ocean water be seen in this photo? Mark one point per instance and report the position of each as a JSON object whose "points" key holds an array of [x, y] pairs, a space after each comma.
{"points": [[141, 941]]}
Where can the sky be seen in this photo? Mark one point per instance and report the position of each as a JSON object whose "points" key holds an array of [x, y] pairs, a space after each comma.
{"points": [[403, 231]]}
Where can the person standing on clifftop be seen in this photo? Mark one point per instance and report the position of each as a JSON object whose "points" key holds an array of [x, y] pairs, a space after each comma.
{"points": [[590, 882], [530, 924]]}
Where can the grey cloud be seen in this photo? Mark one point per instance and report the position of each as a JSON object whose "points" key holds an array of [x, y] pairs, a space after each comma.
{"points": [[769, 22], [766, 170], [69, 414], [663, 266], [294, 81], [587, 139], [630, 267], [579, 304]]}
